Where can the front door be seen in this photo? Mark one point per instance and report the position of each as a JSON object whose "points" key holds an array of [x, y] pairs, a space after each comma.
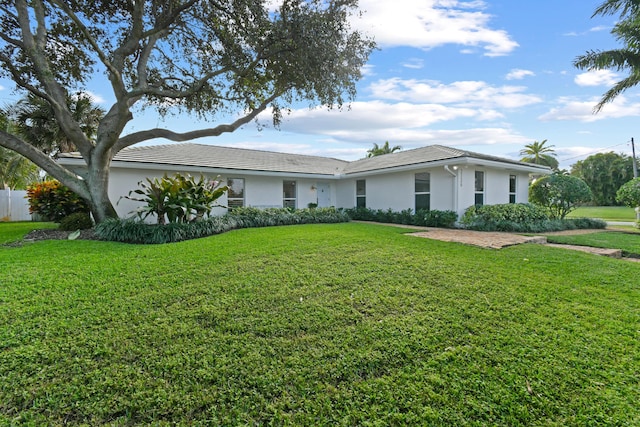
{"points": [[324, 195]]}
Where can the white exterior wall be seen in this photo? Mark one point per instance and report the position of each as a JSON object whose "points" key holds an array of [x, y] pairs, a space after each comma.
{"points": [[394, 191], [259, 191]]}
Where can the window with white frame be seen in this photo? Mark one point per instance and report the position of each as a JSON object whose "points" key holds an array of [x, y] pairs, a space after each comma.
{"points": [[361, 193], [235, 193], [479, 188], [289, 194], [513, 181], [423, 191]]}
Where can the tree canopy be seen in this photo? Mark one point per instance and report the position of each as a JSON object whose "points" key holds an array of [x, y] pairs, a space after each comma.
{"points": [[604, 173], [209, 58], [539, 154], [559, 194], [376, 150], [627, 31]]}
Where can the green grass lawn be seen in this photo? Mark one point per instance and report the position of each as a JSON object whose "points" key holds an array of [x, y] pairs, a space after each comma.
{"points": [[346, 324], [606, 213], [12, 231], [629, 243]]}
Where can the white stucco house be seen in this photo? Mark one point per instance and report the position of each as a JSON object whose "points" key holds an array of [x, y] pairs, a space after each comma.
{"points": [[432, 177]]}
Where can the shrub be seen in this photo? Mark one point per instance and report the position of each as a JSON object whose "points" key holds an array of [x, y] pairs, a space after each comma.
{"points": [[521, 218], [559, 194], [629, 193], [424, 217], [54, 201], [132, 231], [177, 198], [509, 212], [76, 221]]}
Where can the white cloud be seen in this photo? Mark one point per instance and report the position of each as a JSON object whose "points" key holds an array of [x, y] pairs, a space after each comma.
{"points": [[596, 78], [426, 24], [575, 109], [414, 63], [464, 93], [518, 74]]}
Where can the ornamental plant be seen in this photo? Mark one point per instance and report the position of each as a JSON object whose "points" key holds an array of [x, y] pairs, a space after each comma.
{"points": [[178, 198], [54, 201], [559, 194], [629, 195]]}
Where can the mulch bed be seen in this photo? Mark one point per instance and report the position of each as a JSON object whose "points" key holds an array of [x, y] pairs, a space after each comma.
{"points": [[52, 234]]}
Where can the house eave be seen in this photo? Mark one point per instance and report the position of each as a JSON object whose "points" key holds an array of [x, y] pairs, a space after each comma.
{"points": [[456, 161]]}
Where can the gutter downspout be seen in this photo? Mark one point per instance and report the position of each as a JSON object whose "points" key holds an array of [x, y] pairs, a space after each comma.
{"points": [[455, 188]]}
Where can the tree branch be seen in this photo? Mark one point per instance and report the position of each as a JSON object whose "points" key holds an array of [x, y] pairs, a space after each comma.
{"points": [[62, 174], [146, 135]]}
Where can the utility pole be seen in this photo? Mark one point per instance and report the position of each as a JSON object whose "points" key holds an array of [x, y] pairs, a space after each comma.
{"points": [[635, 161], [635, 174]]}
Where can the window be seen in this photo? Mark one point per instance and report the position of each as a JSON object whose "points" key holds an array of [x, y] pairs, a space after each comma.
{"points": [[361, 193], [423, 190], [235, 194], [479, 188], [289, 194], [512, 188]]}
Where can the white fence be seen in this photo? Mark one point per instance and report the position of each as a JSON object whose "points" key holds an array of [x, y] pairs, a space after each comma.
{"points": [[14, 206]]}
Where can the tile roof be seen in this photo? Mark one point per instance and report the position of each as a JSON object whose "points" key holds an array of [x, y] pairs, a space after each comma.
{"points": [[216, 157]]}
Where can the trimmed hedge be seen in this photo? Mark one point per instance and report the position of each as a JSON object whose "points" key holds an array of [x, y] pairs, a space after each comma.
{"points": [[522, 218], [423, 217], [132, 231]]}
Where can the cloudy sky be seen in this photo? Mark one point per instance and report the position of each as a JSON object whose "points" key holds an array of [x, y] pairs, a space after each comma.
{"points": [[483, 75]]}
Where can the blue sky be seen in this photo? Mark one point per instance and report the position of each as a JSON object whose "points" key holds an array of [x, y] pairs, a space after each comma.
{"points": [[483, 75]]}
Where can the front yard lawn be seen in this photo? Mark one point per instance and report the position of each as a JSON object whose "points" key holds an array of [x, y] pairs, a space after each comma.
{"points": [[606, 213], [12, 231], [345, 324], [628, 242]]}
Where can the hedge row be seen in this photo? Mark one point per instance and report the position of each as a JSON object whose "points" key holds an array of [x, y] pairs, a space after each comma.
{"points": [[132, 231], [423, 217], [521, 218]]}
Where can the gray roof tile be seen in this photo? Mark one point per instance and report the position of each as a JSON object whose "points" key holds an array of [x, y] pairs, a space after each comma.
{"points": [[216, 157]]}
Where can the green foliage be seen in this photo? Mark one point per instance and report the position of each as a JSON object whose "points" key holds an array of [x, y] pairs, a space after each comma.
{"points": [[130, 231], [428, 218], [317, 325], [177, 198], [626, 31], [209, 59], [604, 173], [559, 194], [76, 221], [53, 201], [376, 150], [539, 154], [521, 218], [629, 193], [514, 212]]}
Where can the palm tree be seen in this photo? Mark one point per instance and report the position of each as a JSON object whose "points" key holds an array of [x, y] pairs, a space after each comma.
{"points": [[385, 149], [626, 30], [35, 122], [16, 172], [539, 154]]}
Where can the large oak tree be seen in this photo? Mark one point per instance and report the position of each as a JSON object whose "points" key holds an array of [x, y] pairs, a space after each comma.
{"points": [[209, 58]]}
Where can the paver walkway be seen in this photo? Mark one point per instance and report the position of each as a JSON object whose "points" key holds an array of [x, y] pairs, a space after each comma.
{"points": [[498, 240]]}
